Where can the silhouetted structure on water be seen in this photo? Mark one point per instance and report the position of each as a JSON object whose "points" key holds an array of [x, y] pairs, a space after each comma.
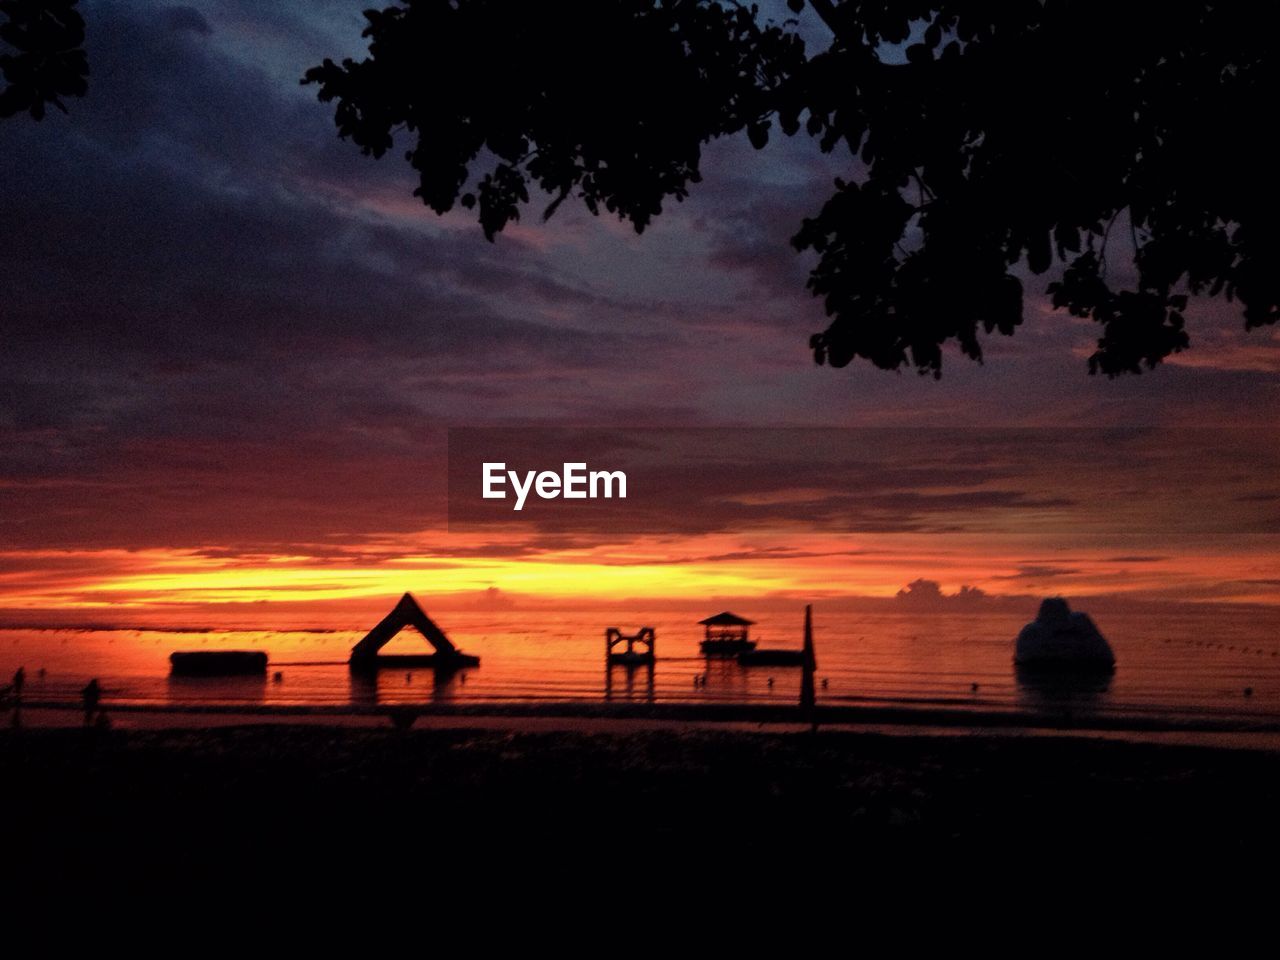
{"points": [[644, 638], [1059, 639], [365, 655], [771, 658], [218, 663], [726, 635], [809, 662]]}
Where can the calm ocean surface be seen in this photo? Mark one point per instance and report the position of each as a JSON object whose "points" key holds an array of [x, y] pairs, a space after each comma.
{"points": [[1184, 664]]}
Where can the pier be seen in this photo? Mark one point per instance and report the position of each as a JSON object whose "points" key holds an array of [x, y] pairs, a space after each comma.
{"points": [[638, 646], [726, 635]]}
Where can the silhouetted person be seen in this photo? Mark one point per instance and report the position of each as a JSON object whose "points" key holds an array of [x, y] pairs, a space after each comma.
{"points": [[19, 678], [92, 694]]}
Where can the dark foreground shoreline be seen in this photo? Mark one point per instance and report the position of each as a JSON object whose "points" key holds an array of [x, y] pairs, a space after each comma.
{"points": [[261, 803], [944, 713]]}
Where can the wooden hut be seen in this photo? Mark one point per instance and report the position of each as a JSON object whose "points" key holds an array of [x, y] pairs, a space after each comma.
{"points": [[726, 635], [365, 655]]}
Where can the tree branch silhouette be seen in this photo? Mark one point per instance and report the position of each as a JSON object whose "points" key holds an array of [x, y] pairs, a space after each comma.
{"points": [[1024, 129], [45, 60], [825, 9]]}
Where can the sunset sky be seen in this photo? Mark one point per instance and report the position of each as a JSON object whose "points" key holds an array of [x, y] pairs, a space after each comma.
{"points": [[231, 347]]}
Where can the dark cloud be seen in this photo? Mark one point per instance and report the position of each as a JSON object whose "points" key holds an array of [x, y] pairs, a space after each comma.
{"points": [[225, 328], [924, 594], [1039, 573], [185, 18], [189, 306]]}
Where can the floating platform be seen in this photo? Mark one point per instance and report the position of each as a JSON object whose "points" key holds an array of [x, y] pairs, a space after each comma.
{"points": [[411, 661], [771, 658], [366, 658], [218, 663]]}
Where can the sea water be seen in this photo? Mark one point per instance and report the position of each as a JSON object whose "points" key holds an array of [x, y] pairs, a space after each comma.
{"points": [[1192, 664]]}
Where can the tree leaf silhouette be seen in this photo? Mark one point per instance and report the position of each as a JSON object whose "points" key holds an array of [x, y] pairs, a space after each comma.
{"points": [[984, 142], [44, 60]]}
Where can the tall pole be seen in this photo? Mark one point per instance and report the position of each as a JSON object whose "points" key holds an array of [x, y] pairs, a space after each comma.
{"points": [[809, 666]]}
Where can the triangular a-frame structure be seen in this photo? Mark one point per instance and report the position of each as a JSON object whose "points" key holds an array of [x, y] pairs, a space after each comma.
{"points": [[365, 654]]}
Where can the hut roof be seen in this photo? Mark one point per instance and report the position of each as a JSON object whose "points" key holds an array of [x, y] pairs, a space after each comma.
{"points": [[726, 619]]}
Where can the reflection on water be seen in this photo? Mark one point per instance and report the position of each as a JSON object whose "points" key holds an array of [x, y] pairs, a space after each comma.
{"points": [[363, 687], [248, 689], [629, 681], [1063, 691], [398, 686], [1185, 662], [725, 679]]}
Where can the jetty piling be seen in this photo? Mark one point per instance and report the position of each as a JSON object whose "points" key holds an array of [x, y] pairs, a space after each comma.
{"points": [[638, 651], [808, 700]]}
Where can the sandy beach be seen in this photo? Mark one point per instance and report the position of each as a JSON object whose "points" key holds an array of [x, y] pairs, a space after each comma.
{"points": [[138, 805]]}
